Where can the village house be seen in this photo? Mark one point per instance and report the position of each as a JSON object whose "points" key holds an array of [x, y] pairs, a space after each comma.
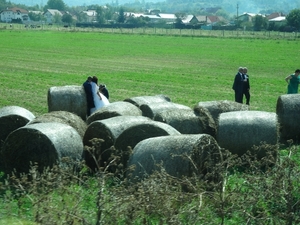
{"points": [[50, 15], [90, 16], [14, 14]]}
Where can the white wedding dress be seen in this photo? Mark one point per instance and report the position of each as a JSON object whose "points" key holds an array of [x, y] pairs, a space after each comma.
{"points": [[99, 103]]}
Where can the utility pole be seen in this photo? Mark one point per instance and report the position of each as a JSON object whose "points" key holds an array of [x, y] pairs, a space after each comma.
{"points": [[237, 14]]}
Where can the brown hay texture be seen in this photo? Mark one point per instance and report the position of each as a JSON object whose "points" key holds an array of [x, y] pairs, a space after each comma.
{"points": [[215, 108], [180, 155], [68, 98], [12, 118], [187, 122], [239, 131], [64, 117], [141, 100], [43, 143], [151, 109], [108, 130], [288, 112], [114, 109]]}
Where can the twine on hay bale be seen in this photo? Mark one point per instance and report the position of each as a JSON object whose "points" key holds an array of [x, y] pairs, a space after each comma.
{"points": [[186, 121], [140, 100], [43, 143], [108, 130], [151, 109], [215, 108], [180, 155], [239, 131], [114, 109], [64, 117], [12, 118], [288, 112], [68, 98]]}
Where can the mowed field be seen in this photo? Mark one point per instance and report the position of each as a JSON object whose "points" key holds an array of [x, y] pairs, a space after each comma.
{"points": [[187, 69]]}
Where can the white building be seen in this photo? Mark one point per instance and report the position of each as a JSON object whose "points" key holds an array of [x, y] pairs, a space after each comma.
{"points": [[9, 15], [50, 15]]}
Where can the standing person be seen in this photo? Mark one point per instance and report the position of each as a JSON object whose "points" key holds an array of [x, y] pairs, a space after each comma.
{"points": [[238, 85], [103, 90], [293, 82], [99, 99], [89, 95], [246, 86]]}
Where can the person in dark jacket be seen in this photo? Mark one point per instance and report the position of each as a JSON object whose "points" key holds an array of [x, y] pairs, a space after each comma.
{"points": [[103, 90], [89, 95], [238, 85]]}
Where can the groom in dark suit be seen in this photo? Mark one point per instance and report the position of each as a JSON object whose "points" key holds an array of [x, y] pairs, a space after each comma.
{"points": [[89, 95], [238, 85]]}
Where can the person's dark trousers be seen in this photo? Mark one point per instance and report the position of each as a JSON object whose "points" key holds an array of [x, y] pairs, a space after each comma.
{"points": [[247, 95]]}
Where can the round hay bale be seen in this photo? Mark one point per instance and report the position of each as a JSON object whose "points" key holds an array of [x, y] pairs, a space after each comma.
{"points": [[151, 109], [141, 100], [239, 131], [215, 108], [187, 122], [64, 117], [138, 132], [180, 155], [43, 143], [68, 98], [12, 118], [115, 109], [287, 110], [108, 130]]}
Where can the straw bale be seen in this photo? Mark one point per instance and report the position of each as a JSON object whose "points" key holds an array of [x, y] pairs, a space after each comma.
{"points": [[151, 109], [64, 117], [138, 132], [140, 100], [68, 98], [239, 131], [12, 118], [186, 121], [180, 155], [115, 109], [108, 130], [287, 110], [215, 108], [43, 143]]}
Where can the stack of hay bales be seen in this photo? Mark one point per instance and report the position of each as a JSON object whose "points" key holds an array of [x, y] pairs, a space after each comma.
{"points": [[215, 108], [115, 109], [68, 98], [239, 131], [121, 131], [288, 111], [141, 100], [12, 118], [62, 117], [180, 155], [45, 144], [187, 121]]}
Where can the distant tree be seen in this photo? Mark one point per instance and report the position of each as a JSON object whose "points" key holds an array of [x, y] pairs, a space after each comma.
{"points": [[67, 18], [121, 17], [55, 4], [36, 16], [259, 22], [293, 19], [100, 15], [57, 18]]}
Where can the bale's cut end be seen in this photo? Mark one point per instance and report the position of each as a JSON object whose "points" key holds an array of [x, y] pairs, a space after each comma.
{"points": [[44, 144], [12, 118], [68, 98]]}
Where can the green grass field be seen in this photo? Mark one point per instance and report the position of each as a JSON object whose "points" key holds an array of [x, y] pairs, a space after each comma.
{"points": [[187, 69]]}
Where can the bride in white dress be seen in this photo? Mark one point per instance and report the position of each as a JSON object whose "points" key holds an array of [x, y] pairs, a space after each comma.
{"points": [[99, 99]]}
